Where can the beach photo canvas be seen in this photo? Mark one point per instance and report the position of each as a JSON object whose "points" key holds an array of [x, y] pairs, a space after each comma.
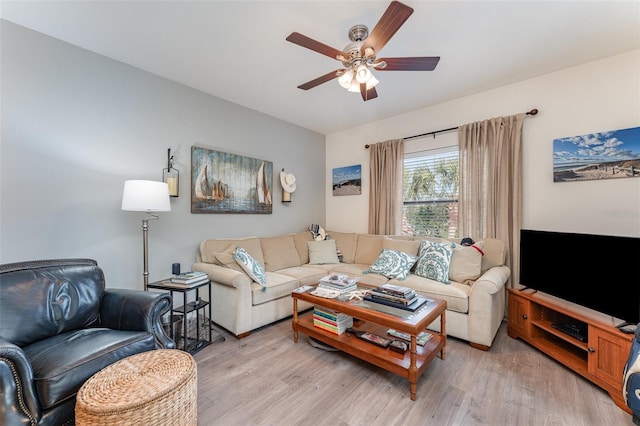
{"points": [[347, 180], [605, 155]]}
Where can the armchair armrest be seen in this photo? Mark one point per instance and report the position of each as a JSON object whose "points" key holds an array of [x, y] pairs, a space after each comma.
{"points": [[133, 310], [20, 403]]}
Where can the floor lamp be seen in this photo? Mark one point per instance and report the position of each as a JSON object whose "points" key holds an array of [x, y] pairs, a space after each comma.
{"points": [[146, 196]]}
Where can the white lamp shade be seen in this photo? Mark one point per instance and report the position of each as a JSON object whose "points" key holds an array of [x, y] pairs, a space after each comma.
{"points": [[145, 196], [345, 79], [372, 82], [363, 74]]}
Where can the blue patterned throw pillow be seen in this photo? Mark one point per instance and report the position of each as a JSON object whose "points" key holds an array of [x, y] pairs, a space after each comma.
{"points": [[393, 264], [250, 266], [434, 260]]}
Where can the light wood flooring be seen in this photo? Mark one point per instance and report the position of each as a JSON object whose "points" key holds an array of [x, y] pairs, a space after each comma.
{"points": [[266, 379]]}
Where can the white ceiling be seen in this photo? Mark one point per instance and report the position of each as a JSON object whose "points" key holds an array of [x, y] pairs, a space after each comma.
{"points": [[236, 50]]}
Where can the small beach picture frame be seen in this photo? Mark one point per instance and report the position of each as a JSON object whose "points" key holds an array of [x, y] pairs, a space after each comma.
{"points": [[605, 155], [347, 180]]}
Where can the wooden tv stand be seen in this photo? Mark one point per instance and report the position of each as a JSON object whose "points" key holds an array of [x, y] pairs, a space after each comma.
{"points": [[600, 359]]}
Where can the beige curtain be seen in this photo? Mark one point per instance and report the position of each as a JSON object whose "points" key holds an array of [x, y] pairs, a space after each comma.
{"points": [[491, 183], [385, 190]]}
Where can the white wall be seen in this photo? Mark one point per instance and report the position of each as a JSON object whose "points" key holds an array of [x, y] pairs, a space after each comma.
{"points": [[76, 125], [594, 97]]}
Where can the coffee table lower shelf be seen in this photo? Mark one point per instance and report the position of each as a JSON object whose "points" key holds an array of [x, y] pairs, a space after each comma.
{"points": [[384, 358]]}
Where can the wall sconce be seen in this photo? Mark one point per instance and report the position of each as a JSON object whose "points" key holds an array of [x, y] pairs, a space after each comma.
{"points": [[171, 176], [288, 182]]}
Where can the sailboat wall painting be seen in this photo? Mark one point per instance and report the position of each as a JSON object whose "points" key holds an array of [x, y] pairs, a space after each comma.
{"points": [[229, 183]]}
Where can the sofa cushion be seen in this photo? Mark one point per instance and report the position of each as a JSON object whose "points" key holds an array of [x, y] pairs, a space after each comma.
{"points": [[225, 258], [368, 248], [456, 294], [62, 363], [392, 264], [250, 265], [466, 262], [346, 242], [251, 245], [305, 274], [276, 287], [434, 260], [401, 244], [300, 240], [279, 252], [322, 252], [495, 253]]}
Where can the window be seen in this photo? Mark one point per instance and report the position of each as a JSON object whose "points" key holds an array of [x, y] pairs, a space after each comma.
{"points": [[430, 193]]}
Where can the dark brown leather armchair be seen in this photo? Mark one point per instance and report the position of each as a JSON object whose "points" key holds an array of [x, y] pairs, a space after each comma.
{"points": [[59, 325]]}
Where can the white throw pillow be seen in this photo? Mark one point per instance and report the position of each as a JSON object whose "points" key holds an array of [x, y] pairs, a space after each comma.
{"points": [[321, 252], [466, 262]]}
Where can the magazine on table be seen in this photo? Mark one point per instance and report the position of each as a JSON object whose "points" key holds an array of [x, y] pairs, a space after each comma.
{"points": [[189, 277], [340, 280], [421, 339]]}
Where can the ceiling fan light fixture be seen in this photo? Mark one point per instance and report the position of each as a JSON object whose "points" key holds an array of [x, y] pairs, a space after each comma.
{"points": [[363, 74], [345, 79], [359, 58], [372, 82], [354, 86]]}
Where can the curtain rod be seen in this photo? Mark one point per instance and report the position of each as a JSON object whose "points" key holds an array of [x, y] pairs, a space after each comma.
{"points": [[532, 112]]}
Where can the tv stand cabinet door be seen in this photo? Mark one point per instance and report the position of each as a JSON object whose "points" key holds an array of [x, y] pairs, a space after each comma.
{"points": [[608, 353], [519, 314]]}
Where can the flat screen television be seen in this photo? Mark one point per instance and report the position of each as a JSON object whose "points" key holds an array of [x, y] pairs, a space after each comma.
{"points": [[600, 272]]}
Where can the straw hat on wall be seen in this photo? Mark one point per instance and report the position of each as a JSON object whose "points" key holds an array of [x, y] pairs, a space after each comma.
{"points": [[288, 181]]}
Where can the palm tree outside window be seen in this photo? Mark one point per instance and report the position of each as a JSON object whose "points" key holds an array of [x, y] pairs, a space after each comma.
{"points": [[430, 193]]}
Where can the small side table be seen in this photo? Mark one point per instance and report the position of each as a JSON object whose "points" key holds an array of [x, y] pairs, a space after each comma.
{"points": [[191, 344]]}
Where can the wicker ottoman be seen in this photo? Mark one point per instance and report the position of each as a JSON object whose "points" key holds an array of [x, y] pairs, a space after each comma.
{"points": [[151, 388]]}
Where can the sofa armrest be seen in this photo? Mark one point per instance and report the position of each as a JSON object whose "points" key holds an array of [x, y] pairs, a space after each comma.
{"points": [[133, 310], [223, 275], [487, 305], [231, 297], [19, 399], [493, 280]]}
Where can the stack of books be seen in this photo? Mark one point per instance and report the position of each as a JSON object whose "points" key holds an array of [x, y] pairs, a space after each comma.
{"points": [[396, 296], [330, 320], [190, 278], [342, 283]]}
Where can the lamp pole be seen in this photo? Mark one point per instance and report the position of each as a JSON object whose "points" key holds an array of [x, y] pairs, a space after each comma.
{"points": [[145, 245]]}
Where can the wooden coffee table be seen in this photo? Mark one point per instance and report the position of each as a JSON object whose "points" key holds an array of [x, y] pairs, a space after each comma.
{"points": [[409, 365]]}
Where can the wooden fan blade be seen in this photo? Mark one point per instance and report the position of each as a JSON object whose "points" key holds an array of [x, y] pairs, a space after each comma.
{"points": [[392, 19], [367, 94], [424, 63], [316, 46], [318, 81]]}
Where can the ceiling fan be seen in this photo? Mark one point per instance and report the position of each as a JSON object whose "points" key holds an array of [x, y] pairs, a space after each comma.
{"points": [[359, 56]]}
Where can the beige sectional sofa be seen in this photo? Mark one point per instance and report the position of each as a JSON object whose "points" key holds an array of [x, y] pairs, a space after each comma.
{"points": [[475, 303]]}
